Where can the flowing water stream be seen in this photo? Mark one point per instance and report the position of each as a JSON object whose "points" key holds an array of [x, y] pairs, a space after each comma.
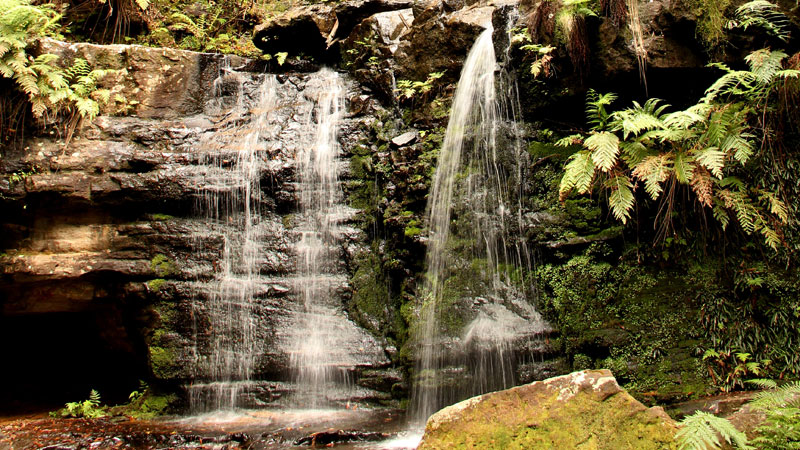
{"points": [[476, 322]]}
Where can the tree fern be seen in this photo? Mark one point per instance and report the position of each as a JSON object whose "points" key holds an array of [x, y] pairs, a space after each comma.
{"points": [[702, 431]]}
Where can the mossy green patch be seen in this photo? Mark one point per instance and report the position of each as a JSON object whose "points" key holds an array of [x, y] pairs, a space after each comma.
{"points": [[162, 266], [156, 284], [540, 416]]}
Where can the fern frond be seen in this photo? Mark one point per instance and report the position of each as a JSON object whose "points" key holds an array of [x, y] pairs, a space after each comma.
{"points": [[776, 206], [573, 139], [621, 199], [738, 144], [765, 63], [728, 84], [702, 430], [683, 168], [654, 170], [761, 13], [764, 383], [633, 152], [596, 114], [578, 174], [778, 397], [605, 148], [702, 185], [712, 159], [639, 118]]}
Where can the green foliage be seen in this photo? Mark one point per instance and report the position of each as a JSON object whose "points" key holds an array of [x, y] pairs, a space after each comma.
{"points": [[762, 14], [541, 55], [155, 285], [701, 147], [407, 89], [89, 408], [51, 90], [730, 370], [712, 21], [702, 431]]}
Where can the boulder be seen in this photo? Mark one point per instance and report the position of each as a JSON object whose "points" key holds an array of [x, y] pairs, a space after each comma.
{"points": [[584, 409], [321, 25]]}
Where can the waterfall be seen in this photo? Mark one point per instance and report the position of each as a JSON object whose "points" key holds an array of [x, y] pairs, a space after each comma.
{"points": [[315, 358], [231, 198], [475, 317]]}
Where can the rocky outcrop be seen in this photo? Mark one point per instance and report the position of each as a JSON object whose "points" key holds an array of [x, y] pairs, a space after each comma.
{"points": [[112, 220], [320, 25], [580, 409]]}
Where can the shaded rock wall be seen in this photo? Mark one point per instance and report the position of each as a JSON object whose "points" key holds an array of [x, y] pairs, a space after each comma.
{"points": [[108, 225]]}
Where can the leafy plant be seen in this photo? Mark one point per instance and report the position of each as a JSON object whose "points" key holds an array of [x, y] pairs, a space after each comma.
{"points": [[200, 30], [699, 147], [89, 408], [702, 431], [541, 54], [53, 92], [408, 89], [780, 430], [729, 370]]}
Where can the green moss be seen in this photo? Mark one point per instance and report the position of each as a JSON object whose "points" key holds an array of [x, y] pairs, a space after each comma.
{"points": [[161, 217], [162, 266], [156, 284], [150, 405], [162, 363], [711, 20], [519, 419], [626, 318]]}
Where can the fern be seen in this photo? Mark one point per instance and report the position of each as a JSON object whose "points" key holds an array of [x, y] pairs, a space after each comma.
{"points": [[654, 170], [702, 431], [596, 113], [578, 174], [761, 13], [605, 148], [788, 394], [620, 200]]}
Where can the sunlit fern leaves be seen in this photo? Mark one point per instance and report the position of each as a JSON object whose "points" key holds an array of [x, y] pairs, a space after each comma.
{"points": [[702, 431], [654, 170], [632, 121], [578, 174], [761, 13], [596, 113], [620, 197], [605, 148]]}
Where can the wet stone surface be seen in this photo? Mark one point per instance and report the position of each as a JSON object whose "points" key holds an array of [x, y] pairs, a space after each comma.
{"points": [[245, 429]]}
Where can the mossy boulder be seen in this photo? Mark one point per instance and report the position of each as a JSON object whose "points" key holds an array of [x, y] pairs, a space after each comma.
{"points": [[584, 409]]}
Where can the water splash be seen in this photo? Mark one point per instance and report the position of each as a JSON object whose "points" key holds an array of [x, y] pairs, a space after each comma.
{"points": [[475, 317]]}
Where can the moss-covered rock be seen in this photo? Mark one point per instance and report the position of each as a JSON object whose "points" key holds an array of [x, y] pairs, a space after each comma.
{"points": [[581, 410]]}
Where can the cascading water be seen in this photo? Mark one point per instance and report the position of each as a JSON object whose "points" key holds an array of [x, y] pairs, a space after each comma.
{"points": [[231, 197], [271, 322], [315, 357], [475, 317]]}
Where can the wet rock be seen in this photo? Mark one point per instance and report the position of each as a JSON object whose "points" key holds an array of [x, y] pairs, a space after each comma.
{"points": [[404, 139], [321, 25], [326, 438], [580, 409]]}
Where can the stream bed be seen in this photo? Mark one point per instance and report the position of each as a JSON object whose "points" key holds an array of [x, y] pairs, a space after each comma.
{"points": [[241, 429]]}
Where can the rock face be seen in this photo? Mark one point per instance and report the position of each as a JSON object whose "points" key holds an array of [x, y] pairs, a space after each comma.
{"points": [[581, 410], [110, 226]]}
